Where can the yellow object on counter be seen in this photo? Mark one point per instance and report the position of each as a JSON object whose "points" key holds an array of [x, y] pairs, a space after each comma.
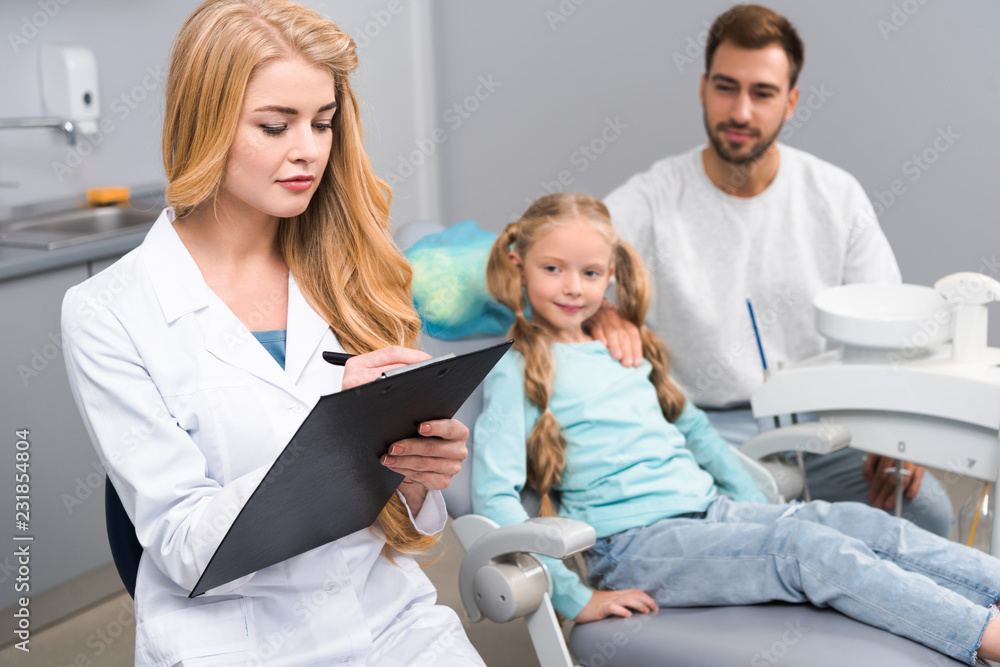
{"points": [[107, 196]]}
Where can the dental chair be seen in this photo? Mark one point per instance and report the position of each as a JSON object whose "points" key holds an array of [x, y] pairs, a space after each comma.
{"points": [[501, 580], [125, 548]]}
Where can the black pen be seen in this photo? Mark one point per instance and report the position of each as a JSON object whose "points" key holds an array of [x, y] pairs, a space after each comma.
{"points": [[337, 358]]}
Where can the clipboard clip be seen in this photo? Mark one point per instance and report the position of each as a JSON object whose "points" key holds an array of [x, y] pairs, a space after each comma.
{"points": [[340, 358], [410, 367]]}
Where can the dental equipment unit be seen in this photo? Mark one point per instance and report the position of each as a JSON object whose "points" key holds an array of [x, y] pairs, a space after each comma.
{"points": [[897, 383]]}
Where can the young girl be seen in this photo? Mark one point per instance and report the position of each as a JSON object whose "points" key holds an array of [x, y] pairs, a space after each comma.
{"points": [[195, 358], [629, 456]]}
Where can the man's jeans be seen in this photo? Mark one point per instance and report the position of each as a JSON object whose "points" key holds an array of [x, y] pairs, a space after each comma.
{"points": [[861, 561], [839, 476]]}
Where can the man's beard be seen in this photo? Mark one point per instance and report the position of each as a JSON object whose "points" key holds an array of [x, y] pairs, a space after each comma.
{"points": [[720, 147]]}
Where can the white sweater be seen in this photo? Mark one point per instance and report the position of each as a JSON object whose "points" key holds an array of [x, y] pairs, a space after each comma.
{"points": [[811, 229]]}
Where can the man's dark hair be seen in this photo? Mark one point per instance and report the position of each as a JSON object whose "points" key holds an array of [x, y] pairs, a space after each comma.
{"points": [[755, 27]]}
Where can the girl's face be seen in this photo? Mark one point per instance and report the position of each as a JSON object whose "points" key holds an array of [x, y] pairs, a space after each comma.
{"points": [[565, 274], [283, 140]]}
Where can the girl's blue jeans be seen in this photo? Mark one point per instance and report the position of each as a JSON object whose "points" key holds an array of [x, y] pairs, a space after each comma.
{"points": [[863, 562]]}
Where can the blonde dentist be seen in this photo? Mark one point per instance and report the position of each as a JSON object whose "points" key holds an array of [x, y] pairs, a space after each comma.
{"points": [[196, 356]]}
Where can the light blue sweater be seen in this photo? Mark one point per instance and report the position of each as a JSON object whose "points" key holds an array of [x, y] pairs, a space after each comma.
{"points": [[627, 466]]}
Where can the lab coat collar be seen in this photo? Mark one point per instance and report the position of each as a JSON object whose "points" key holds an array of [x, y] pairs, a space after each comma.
{"points": [[306, 330], [181, 289], [176, 278]]}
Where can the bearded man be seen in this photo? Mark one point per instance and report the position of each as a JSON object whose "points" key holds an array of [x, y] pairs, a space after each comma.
{"points": [[748, 217]]}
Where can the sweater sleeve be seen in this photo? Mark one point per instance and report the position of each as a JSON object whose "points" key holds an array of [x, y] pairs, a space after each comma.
{"points": [[714, 455], [499, 469], [631, 209], [869, 256]]}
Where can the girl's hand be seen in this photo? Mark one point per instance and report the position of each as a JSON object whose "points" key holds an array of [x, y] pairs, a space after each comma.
{"points": [[365, 368], [616, 603], [618, 335]]}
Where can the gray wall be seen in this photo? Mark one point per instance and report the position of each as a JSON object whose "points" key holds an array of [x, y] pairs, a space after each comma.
{"points": [[131, 40], [556, 72], [565, 67]]}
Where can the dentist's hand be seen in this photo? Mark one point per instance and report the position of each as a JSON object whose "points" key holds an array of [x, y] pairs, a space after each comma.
{"points": [[434, 457], [429, 460], [364, 368], [618, 335]]}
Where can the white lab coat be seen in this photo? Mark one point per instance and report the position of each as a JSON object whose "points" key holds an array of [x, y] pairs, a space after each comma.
{"points": [[187, 412]]}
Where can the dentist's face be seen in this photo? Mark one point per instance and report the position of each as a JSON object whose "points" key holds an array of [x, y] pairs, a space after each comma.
{"points": [[746, 100], [283, 140]]}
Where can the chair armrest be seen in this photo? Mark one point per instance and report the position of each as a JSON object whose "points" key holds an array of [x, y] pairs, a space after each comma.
{"points": [[497, 577], [765, 480], [814, 437]]}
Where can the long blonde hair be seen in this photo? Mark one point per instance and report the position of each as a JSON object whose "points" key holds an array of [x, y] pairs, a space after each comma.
{"points": [[546, 445], [340, 249]]}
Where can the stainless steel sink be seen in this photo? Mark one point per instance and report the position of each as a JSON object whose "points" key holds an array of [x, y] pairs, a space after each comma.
{"points": [[73, 227]]}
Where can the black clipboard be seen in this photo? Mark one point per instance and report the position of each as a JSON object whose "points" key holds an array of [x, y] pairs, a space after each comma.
{"points": [[328, 481]]}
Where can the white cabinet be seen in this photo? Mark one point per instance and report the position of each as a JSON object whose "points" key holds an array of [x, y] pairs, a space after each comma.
{"points": [[66, 477]]}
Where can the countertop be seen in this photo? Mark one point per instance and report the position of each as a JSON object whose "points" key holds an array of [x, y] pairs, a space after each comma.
{"points": [[19, 262]]}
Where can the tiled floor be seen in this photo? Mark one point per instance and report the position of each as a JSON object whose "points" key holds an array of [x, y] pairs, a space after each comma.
{"points": [[104, 634]]}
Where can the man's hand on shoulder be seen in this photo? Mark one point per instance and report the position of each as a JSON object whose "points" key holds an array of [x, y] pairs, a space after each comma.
{"points": [[620, 336]]}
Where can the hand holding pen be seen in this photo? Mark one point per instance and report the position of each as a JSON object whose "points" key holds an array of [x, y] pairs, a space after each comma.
{"points": [[364, 368], [430, 459]]}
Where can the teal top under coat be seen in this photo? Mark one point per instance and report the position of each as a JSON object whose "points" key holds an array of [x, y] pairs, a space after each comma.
{"points": [[274, 342]]}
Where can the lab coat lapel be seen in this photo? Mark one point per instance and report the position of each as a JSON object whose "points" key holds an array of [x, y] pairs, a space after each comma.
{"points": [[306, 330], [172, 271], [229, 340], [181, 289]]}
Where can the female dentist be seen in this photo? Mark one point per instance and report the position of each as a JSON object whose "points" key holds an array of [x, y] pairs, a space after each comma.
{"points": [[196, 356]]}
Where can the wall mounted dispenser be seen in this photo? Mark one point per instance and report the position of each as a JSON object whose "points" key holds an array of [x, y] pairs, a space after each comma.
{"points": [[69, 85]]}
